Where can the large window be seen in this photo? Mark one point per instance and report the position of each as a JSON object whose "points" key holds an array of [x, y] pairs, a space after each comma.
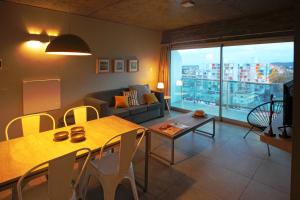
{"points": [[195, 79], [250, 73]]}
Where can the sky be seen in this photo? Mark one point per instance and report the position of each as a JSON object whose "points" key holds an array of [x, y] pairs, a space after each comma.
{"points": [[257, 53]]}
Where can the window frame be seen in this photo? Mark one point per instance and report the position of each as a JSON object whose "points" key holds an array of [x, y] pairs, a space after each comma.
{"points": [[221, 45]]}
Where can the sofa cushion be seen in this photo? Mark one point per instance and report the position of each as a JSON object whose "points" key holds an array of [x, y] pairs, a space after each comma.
{"points": [[137, 109], [141, 90], [120, 112], [150, 98], [154, 106], [108, 95], [132, 97], [121, 102]]}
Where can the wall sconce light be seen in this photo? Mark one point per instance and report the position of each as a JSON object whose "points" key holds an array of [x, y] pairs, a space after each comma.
{"points": [[43, 38], [36, 41], [33, 44]]}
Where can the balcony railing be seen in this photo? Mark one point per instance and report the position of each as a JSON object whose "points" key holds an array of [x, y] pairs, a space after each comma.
{"points": [[235, 94]]}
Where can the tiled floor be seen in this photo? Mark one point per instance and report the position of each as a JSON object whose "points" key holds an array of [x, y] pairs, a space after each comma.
{"points": [[227, 167]]}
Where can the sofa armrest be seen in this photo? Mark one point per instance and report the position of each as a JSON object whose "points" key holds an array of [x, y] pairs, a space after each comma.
{"points": [[101, 106], [160, 96]]}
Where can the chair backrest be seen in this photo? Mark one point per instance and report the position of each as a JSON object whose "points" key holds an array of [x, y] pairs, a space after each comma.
{"points": [[60, 174], [30, 123], [128, 146], [80, 114], [259, 116]]}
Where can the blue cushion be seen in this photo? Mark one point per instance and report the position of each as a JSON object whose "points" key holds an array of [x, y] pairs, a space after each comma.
{"points": [[154, 106], [120, 112], [137, 109]]}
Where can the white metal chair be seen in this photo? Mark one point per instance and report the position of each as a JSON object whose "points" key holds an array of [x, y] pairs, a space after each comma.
{"points": [[80, 114], [30, 123], [111, 169], [60, 184]]}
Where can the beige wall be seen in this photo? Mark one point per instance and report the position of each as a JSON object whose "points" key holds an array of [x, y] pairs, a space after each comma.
{"points": [[77, 74]]}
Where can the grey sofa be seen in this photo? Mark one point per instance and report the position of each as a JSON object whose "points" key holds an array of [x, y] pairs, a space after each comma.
{"points": [[104, 102]]}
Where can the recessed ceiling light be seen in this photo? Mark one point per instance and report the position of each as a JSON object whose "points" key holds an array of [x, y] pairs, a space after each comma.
{"points": [[187, 3]]}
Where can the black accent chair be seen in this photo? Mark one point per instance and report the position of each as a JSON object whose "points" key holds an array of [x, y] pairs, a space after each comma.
{"points": [[260, 116]]}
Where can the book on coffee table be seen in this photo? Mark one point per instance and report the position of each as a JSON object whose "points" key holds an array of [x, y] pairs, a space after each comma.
{"points": [[179, 125], [173, 128]]}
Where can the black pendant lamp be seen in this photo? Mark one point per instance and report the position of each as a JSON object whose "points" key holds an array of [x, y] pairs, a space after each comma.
{"points": [[68, 44]]}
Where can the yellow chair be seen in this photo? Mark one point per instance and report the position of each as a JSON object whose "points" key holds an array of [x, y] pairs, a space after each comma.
{"points": [[80, 114], [30, 123]]}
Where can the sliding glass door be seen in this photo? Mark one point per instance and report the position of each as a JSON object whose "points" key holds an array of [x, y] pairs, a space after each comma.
{"points": [[195, 79], [250, 73]]}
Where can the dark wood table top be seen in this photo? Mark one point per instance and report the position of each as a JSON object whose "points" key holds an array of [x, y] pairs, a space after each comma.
{"points": [[186, 119]]}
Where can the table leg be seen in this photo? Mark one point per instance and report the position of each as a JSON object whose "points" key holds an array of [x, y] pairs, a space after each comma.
{"points": [[14, 192], [214, 127], [163, 160], [146, 162], [168, 107], [147, 152], [210, 134], [172, 152]]}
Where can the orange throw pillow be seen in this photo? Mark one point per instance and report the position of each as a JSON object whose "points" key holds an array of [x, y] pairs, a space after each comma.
{"points": [[150, 98], [121, 102]]}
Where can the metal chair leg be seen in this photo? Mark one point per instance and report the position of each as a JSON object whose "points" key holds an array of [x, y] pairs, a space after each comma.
{"points": [[248, 132], [269, 153]]}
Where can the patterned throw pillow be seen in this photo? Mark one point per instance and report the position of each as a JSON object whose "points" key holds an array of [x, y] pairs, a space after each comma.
{"points": [[132, 97], [141, 90]]}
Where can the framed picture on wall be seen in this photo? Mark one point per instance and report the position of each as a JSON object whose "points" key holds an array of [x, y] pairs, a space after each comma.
{"points": [[119, 65], [102, 65], [133, 65]]}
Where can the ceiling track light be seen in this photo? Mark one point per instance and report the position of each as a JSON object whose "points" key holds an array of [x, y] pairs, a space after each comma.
{"points": [[187, 3]]}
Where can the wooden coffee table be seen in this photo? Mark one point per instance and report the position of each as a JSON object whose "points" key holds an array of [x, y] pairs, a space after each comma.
{"points": [[192, 124]]}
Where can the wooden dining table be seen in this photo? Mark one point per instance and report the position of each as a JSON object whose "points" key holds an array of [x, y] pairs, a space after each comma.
{"points": [[19, 155]]}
